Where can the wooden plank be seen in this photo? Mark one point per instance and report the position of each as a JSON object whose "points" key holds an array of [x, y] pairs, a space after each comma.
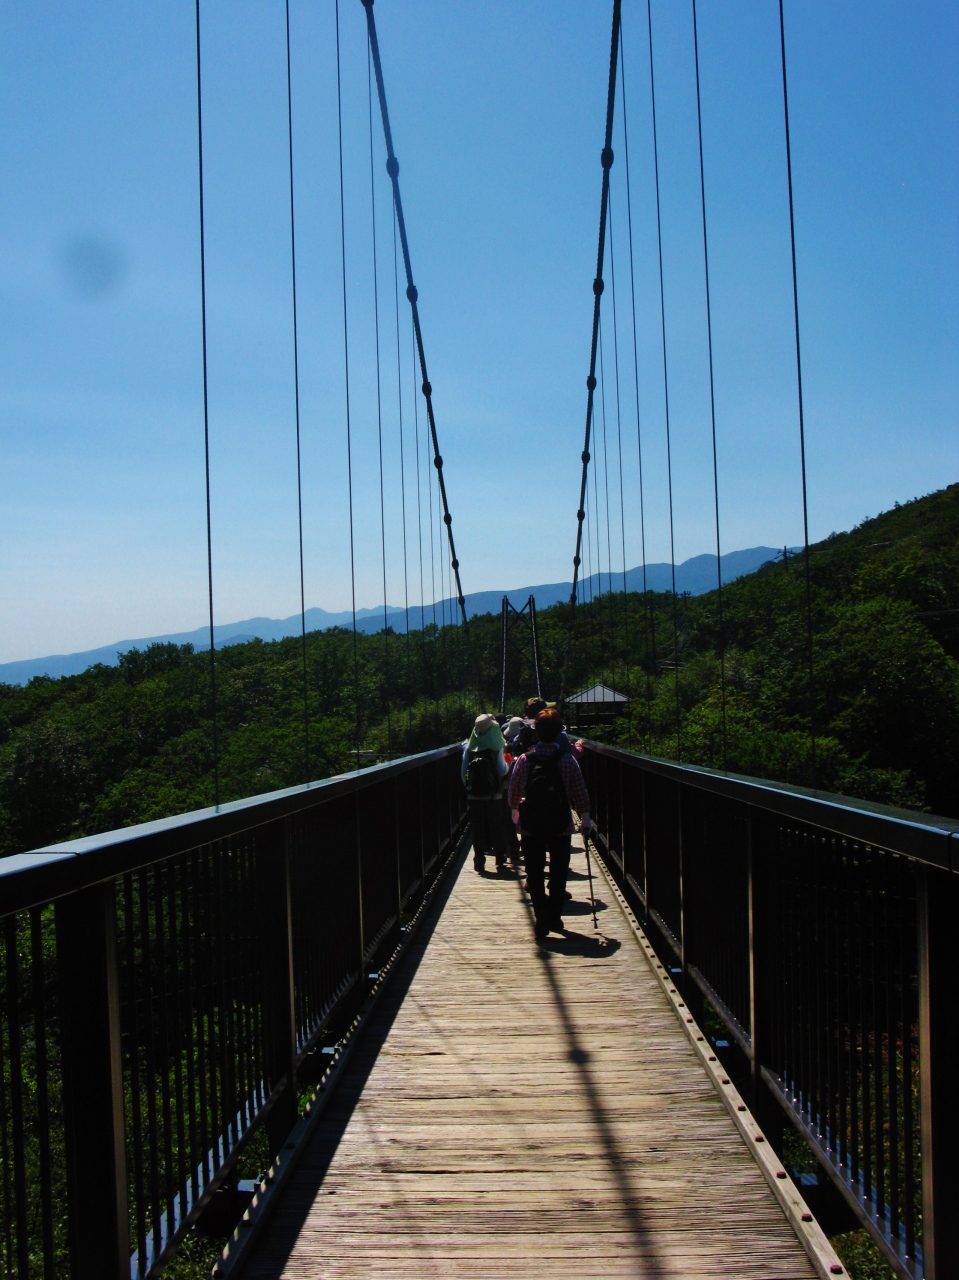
{"points": [[526, 1109]]}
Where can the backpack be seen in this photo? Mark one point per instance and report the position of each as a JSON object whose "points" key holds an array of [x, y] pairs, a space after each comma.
{"points": [[545, 811], [524, 739], [482, 782]]}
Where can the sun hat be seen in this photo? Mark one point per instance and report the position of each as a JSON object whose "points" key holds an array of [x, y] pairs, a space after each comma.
{"points": [[513, 727], [483, 724]]}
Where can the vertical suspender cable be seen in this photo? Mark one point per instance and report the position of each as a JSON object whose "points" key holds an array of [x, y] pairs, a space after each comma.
{"points": [[609, 543], [662, 316], [206, 414], [606, 159], [393, 169], [379, 421], [639, 436], [712, 393], [399, 394], [419, 511], [802, 425], [346, 365], [296, 394], [622, 501]]}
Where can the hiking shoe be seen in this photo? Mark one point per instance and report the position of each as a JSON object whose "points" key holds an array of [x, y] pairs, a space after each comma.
{"points": [[479, 861], [569, 896], [541, 927]]}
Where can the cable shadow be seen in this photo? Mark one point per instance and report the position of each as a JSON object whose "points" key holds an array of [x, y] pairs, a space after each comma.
{"points": [[579, 1055]]}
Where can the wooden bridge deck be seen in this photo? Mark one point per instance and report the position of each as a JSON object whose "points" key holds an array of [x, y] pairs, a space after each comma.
{"points": [[525, 1110]]}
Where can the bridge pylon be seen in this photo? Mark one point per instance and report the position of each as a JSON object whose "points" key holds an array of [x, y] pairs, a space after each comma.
{"points": [[521, 622]]}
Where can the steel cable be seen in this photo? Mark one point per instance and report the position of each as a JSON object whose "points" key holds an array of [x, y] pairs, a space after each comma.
{"points": [[296, 396], [639, 435], [619, 448], [712, 392], [669, 458], [606, 160], [399, 395], [802, 425], [393, 169], [379, 421], [346, 365], [206, 415]]}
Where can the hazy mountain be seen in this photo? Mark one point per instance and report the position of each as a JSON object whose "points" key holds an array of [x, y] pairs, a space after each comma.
{"points": [[696, 576]]}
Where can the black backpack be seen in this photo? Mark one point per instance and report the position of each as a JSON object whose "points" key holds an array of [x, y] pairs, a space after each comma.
{"points": [[482, 782], [545, 811]]}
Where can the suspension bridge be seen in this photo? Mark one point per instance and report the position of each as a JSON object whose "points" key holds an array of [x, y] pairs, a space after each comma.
{"points": [[302, 1024]]}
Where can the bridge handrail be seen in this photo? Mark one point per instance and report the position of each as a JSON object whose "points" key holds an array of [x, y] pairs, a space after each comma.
{"points": [[166, 990], [39, 876], [822, 933], [921, 836]]}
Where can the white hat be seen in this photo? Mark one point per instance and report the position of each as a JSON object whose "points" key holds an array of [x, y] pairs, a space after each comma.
{"points": [[483, 724], [513, 727]]}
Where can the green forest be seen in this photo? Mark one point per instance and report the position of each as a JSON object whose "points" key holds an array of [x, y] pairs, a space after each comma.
{"points": [[125, 744]]}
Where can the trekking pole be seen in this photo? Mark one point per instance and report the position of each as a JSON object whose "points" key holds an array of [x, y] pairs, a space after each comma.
{"points": [[589, 874]]}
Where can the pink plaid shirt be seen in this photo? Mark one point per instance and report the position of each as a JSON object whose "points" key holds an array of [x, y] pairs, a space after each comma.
{"points": [[569, 770]]}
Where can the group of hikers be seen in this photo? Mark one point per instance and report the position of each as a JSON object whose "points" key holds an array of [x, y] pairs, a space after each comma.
{"points": [[523, 782]]}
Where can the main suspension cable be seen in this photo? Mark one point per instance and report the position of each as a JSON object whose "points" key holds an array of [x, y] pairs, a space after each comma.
{"points": [[639, 436], [712, 392], [346, 364], [606, 160], [206, 415], [802, 426], [669, 458], [296, 396], [393, 169]]}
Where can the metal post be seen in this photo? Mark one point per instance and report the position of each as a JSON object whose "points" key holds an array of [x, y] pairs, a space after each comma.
{"points": [[937, 905], [532, 624], [502, 701], [276, 959], [86, 929]]}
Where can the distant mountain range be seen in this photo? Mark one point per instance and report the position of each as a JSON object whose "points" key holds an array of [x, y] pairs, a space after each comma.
{"points": [[697, 576]]}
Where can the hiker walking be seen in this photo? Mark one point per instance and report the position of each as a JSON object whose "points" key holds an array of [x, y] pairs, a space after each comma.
{"points": [[483, 771], [545, 787]]}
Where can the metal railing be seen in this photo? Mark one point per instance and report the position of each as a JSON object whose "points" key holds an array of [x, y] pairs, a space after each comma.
{"points": [[824, 933], [161, 985]]}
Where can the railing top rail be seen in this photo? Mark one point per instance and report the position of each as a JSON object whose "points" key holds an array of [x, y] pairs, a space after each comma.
{"points": [[921, 836], [29, 879]]}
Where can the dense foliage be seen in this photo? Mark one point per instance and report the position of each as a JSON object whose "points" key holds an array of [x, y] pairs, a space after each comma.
{"points": [[118, 745]]}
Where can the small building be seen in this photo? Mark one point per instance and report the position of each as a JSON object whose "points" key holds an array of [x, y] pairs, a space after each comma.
{"points": [[596, 705]]}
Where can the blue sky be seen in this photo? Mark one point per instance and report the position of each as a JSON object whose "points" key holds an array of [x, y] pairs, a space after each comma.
{"points": [[497, 113]]}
